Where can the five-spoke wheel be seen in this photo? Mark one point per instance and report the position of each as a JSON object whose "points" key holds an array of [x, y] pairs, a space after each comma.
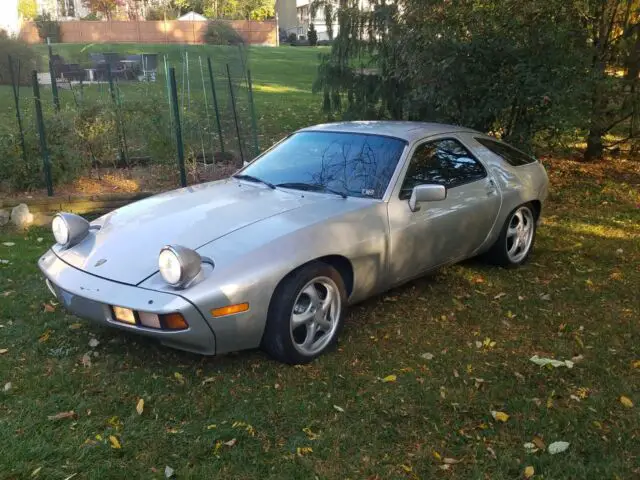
{"points": [[516, 239]]}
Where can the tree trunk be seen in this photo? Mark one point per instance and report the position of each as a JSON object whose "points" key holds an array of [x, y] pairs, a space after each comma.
{"points": [[595, 146]]}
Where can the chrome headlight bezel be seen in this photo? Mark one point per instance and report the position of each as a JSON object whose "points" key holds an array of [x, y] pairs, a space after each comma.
{"points": [[69, 229], [188, 263]]}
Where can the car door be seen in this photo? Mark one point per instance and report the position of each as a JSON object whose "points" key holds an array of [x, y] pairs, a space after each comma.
{"points": [[447, 230]]}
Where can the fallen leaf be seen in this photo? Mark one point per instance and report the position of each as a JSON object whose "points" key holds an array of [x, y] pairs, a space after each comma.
{"points": [[212, 426], [115, 443], [39, 239], [636, 364], [8, 292], [546, 297], [168, 472], [427, 356], [301, 451], [444, 466], [48, 307], [178, 376], [550, 361], [75, 326], [140, 406], [340, 409], [492, 452], [538, 442], [389, 378], [3, 350], [86, 360], [499, 296], [450, 461], [558, 447], [8, 244], [499, 416], [45, 336], [529, 471], [436, 455], [93, 343], [310, 434], [231, 442], [36, 472], [62, 415], [208, 380], [70, 476], [626, 401], [530, 447], [406, 468], [7, 386]]}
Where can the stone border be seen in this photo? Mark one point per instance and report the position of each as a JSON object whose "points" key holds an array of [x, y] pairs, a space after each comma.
{"points": [[44, 207]]}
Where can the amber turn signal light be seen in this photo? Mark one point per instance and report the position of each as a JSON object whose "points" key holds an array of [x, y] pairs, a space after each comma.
{"points": [[230, 309], [174, 321]]}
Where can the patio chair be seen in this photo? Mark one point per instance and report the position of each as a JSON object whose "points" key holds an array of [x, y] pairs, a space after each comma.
{"points": [[149, 66]]}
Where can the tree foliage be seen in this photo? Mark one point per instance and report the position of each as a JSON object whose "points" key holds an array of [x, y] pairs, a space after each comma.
{"points": [[27, 9], [523, 70], [104, 7]]}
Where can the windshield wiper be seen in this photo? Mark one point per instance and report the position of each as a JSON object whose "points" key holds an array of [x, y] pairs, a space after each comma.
{"points": [[311, 187], [251, 178]]}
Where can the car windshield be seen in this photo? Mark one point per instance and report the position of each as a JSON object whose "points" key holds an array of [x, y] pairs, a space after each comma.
{"points": [[350, 164]]}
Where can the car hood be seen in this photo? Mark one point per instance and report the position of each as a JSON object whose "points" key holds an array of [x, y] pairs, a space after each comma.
{"points": [[124, 244]]}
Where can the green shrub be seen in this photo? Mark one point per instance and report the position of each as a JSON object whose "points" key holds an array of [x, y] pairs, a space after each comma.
{"points": [[292, 38], [47, 27], [222, 33], [312, 35], [20, 52], [159, 13], [91, 17]]}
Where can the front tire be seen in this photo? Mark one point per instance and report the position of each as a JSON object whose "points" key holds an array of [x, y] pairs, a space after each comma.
{"points": [[306, 314], [515, 243]]}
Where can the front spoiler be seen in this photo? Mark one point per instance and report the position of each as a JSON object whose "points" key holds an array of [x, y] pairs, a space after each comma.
{"points": [[91, 297]]}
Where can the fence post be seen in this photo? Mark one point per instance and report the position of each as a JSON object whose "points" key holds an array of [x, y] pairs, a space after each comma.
{"points": [[178, 127], [120, 127], [41, 133], [52, 73], [235, 114], [215, 104], [16, 96], [254, 121]]}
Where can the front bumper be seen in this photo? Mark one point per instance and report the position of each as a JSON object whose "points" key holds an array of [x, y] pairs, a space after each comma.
{"points": [[91, 297]]}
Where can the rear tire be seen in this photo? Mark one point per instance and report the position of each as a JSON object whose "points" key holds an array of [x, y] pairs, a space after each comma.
{"points": [[306, 314], [515, 243]]}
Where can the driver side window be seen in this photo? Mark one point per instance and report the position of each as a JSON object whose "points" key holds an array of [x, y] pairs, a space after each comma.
{"points": [[443, 162]]}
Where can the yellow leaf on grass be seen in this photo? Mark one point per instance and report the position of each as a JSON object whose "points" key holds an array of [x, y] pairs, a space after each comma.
{"points": [[626, 401], [45, 336], [389, 378], [636, 364], [36, 471], [407, 468], [310, 434], [75, 326], [178, 376], [114, 442], [301, 451], [3, 350], [529, 471], [212, 426], [499, 416], [437, 456], [140, 406]]}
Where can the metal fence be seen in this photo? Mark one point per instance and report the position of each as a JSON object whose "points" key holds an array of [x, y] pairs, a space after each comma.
{"points": [[186, 114]]}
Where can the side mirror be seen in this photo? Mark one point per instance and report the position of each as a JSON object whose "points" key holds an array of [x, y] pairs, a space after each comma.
{"points": [[426, 193]]}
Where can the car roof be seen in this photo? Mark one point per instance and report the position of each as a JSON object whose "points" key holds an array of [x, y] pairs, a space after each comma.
{"points": [[409, 131]]}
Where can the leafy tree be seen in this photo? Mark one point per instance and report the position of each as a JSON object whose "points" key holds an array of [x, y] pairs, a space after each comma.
{"points": [[329, 9], [505, 66], [28, 9], [104, 7], [613, 27], [312, 35]]}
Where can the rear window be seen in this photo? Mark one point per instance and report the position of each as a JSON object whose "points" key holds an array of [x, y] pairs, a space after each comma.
{"points": [[509, 154]]}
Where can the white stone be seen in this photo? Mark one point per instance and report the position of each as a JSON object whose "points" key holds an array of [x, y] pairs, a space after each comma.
{"points": [[5, 216], [20, 216]]}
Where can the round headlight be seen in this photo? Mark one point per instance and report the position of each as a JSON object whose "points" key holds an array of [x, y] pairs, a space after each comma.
{"points": [[69, 229], [60, 230], [170, 267]]}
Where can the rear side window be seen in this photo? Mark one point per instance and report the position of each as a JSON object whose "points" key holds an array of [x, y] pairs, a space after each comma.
{"points": [[509, 154]]}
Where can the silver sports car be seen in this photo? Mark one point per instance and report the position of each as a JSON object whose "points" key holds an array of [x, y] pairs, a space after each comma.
{"points": [[272, 256]]}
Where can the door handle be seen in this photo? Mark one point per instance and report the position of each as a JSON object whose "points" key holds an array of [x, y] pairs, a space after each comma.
{"points": [[491, 188]]}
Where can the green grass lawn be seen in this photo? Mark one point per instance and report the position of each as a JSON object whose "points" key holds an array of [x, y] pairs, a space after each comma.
{"points": [[458, 344]]}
